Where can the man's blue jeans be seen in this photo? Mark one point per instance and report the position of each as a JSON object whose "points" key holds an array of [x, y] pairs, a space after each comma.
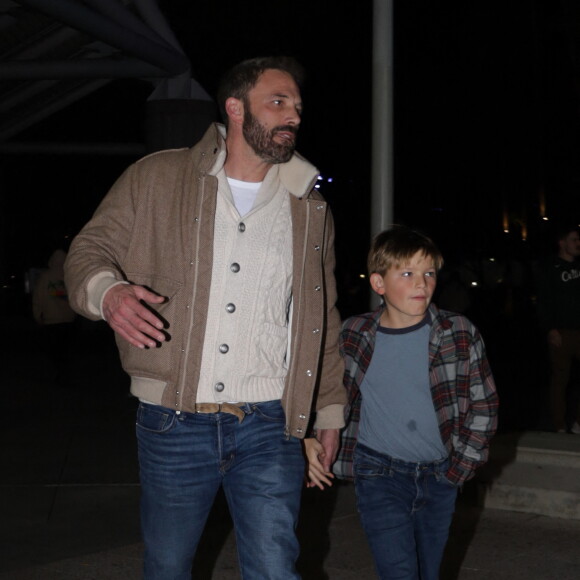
{"points": [[185, 457], [406, 510]]}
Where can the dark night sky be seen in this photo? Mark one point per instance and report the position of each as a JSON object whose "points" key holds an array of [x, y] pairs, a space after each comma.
{"points": [[486, 110]]}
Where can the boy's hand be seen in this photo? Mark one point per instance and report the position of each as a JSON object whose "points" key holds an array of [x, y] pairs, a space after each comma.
{"points": [[317, 475]]}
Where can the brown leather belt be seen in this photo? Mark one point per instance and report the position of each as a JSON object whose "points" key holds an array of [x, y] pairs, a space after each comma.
{"points": [[220, 408]]}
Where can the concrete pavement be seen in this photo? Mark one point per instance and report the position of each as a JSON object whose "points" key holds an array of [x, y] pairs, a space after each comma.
{"points": [[69, 494]]}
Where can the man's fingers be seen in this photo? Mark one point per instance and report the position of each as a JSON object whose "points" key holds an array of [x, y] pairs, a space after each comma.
{"points": [[137, 332], [317, 475], [138, 342], [133, 321], [325, 461], [147, 295], [319, 478], [132, 313]]}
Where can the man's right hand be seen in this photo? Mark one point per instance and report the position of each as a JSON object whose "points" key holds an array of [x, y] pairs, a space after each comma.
{"points": [[129, 318]]}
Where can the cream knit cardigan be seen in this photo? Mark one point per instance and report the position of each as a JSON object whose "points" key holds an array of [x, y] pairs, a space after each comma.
{"points": [[245, 350]]}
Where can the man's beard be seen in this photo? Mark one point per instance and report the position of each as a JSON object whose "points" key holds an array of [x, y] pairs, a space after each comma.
{"points": [[262, 141]]}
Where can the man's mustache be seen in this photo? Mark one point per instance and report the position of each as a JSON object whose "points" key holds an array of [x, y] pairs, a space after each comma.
{"points": [[287, 128]]}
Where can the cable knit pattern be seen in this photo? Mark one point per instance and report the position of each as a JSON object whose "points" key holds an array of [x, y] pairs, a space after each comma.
{"points": [[245, 350], [156, 228]]}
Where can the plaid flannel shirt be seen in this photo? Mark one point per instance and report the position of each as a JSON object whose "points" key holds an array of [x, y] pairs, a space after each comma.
{"points": [[462, 387]]}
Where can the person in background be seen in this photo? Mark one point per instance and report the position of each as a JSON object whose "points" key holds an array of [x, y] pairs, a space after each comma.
{"points": [[51, 310], [559, 315]]}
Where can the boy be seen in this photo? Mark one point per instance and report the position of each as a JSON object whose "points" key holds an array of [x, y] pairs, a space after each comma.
{"points": [[422, 409]]}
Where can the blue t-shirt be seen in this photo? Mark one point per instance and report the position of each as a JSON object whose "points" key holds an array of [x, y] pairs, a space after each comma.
{"points": [[397, 413]]}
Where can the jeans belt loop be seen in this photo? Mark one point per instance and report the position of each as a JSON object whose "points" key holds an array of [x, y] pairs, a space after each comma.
{"points": [[220, 408]]}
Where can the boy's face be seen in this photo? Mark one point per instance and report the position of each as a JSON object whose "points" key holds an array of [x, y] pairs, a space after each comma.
{"points": [[407, 290]]}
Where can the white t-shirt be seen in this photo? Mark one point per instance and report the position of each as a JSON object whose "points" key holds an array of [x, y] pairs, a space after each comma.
{"points": [[244, 194]]}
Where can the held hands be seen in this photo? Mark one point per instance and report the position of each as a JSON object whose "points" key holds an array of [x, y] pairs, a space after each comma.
{"points": [[130, 319], [321, 453], [317, 476]]}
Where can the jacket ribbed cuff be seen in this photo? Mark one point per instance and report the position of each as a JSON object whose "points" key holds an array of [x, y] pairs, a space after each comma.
{"points": [[330, 417]]}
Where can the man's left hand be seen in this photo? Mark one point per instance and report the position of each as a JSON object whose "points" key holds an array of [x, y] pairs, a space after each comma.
{"points": [[329, 439], [317, 477]]}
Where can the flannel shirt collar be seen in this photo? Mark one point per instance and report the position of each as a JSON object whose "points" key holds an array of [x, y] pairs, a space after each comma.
{"points": [[439, 322], [373, 321]]}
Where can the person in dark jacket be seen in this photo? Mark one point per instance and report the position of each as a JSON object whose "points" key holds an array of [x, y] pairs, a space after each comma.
{"points": [[559, 315]]}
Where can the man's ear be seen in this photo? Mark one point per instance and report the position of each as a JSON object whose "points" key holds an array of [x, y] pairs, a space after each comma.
{"points": [[235, 110], [377, 283]]}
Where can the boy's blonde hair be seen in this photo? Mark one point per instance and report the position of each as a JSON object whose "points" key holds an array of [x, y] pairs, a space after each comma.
{"points": [[396, 246]]}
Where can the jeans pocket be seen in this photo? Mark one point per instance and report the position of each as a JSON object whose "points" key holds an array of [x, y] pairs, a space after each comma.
{"points": [[367, 468], [443, 480], [154, 419], [271, 412]]}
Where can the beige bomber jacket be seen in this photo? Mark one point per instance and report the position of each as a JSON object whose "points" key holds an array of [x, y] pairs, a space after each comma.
{"points": [[155, 228]]}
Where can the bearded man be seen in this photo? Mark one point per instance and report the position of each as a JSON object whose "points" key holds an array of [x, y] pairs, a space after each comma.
{"points": [[227, 249]]}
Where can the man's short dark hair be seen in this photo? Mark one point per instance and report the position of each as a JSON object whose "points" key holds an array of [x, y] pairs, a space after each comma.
{"points": [[396, 246], [241, 78], [564, 229]]}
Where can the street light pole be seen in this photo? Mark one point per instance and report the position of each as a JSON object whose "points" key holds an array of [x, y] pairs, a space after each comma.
{"points": [[382, 117]]}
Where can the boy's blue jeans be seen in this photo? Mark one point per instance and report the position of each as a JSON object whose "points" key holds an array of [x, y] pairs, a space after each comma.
{"points": [[184, 458], [406, 510]]}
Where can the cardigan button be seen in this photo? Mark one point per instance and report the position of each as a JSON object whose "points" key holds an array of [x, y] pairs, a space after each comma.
{"points": [[219, 387], [309, 373], [242, 227], [224, 348], [235, 267], [230, 307]]}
